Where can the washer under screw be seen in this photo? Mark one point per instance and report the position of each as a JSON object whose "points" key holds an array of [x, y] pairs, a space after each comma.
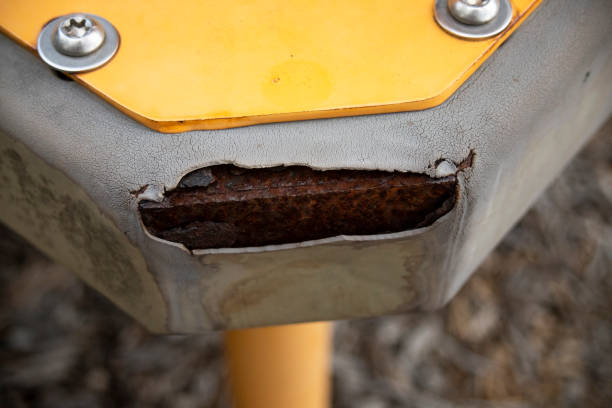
{"points": [[473, 19], [78, 36], [77, 42], [474, 12]]}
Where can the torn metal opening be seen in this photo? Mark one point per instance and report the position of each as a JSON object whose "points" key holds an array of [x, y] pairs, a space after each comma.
{"points": [[225, 206]]}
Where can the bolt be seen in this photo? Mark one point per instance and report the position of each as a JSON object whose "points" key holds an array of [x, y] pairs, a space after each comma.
{"points": [[474, 12], [78, 36]]}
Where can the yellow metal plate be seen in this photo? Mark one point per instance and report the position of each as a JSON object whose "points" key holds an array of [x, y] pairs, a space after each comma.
{"points": [[200, 64]]}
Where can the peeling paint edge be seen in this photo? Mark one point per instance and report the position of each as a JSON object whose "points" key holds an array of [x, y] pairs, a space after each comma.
{"points": [[156, 193]]}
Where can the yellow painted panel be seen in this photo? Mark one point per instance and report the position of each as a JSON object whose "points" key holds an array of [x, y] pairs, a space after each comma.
{"points": [[201, 64]]}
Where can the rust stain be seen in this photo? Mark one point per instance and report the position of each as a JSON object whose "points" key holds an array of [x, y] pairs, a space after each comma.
{"points": [[226, 206], [139, 191], [468, 162]]}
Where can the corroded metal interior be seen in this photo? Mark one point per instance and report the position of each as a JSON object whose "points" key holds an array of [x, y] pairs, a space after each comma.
{"points": [[226, 206]]}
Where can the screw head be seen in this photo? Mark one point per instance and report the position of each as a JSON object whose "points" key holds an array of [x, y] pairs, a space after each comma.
{"points": [[77, 42], [78, 35], [474, 12], [473, 19]]}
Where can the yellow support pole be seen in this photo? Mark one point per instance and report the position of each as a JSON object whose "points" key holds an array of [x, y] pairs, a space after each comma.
{"points": [[280, 366]]}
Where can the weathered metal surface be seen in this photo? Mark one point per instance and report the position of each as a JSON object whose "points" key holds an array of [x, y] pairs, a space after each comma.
{"points": [[226, 206], [523, 135], [57, 216]]}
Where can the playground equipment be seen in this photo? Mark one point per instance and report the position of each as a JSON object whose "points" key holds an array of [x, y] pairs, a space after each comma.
{"points": [[217, 166]]}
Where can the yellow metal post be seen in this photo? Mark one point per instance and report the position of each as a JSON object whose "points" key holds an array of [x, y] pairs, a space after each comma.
{"points": [[280, 366]]}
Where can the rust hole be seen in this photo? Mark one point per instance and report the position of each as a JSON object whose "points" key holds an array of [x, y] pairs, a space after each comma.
{"points": [[226, 206]]}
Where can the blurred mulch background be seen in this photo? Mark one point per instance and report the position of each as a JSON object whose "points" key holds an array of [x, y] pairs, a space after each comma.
{"points": [[532, 328]]}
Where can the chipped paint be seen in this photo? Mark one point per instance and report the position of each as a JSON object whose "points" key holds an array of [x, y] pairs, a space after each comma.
{"points": [[226, 206]]}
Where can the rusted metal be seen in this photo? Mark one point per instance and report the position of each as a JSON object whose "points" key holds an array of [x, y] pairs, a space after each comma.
{"points": [[228, 207]]}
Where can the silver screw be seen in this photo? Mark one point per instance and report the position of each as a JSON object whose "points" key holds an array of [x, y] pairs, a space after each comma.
{"points": [[474, 12], [78, 36], [77, 42], [473, 19]]}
